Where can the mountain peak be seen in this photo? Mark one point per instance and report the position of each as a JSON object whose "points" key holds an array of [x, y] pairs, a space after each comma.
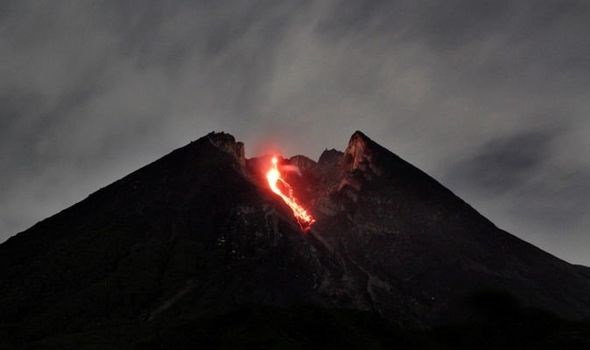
{"points": [[360, 153], [227, 143], [191, 235], [330, 156], [359, 134], [302, 162]]}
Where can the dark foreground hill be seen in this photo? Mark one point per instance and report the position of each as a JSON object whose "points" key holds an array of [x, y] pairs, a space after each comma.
{"points": [[194, 250]]}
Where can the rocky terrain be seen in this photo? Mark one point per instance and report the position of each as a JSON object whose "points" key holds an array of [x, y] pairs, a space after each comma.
{"points": [[194, 249]]}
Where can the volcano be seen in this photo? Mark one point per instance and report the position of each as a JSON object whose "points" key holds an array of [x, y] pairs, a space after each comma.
{"points": [[196, 250]]}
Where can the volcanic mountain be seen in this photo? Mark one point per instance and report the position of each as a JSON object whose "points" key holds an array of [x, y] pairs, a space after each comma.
{"points": [[195, 249]]}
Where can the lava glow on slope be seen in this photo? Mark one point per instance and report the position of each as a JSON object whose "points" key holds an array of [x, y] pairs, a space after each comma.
{"points": [[280, 186]]}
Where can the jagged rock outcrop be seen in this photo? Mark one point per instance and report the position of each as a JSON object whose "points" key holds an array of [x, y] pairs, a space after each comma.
{"points": [[303, 164], [228, 144]]}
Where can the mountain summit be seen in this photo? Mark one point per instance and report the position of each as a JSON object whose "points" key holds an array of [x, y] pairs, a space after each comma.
{"points": [[175, 252]]}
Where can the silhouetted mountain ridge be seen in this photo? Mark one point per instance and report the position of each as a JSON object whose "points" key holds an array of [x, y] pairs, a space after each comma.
{"points": [[197, 236]]}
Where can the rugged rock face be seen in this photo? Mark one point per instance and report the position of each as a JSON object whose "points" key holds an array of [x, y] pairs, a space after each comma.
{"points": [[197, 234], [228, 144], [422, 251]]}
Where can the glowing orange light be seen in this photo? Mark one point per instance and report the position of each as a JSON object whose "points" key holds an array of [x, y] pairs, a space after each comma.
{"points": [[273, 176]]}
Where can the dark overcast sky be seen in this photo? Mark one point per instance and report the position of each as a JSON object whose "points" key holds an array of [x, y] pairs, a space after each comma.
{"points": [[492, 98]]}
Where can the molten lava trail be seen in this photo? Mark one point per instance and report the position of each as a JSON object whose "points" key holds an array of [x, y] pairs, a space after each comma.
{"points": [[274, 178]]}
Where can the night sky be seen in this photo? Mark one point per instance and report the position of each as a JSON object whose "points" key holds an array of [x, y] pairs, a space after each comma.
{"points": [[492, 98]]}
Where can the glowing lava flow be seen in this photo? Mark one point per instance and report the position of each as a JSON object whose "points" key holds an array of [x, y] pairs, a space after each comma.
{"points": [[274, 178]]}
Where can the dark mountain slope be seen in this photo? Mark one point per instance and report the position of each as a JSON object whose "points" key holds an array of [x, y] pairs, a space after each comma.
{"points": [[179, 249], [416, 239]]}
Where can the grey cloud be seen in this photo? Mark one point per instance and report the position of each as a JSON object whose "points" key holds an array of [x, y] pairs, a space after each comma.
{"points": [[93, 90], [503, 164]]}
